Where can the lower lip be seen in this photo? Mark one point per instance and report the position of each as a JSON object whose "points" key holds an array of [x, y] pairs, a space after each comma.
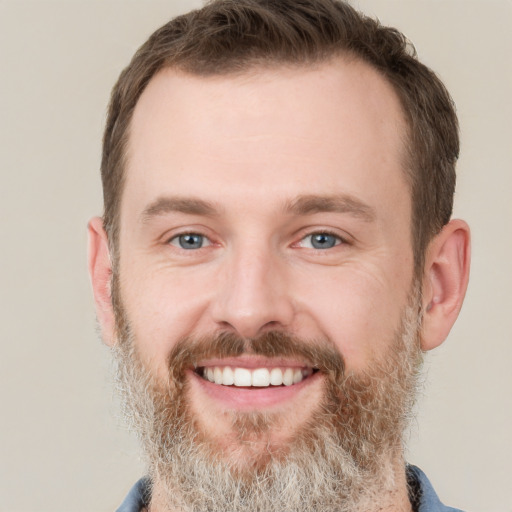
{"points": [[253, 398]]}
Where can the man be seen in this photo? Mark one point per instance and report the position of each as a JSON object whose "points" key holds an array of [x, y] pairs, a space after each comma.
{"points": [[275, 256]]}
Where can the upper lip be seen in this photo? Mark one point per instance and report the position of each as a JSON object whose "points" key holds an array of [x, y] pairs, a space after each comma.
{"points": [[253, 362]]}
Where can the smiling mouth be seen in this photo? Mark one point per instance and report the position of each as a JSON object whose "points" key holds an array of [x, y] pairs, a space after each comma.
{"points": [[254, 378]]}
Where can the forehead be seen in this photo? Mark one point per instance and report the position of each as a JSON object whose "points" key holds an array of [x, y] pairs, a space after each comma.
{"points": [[286, 127]]}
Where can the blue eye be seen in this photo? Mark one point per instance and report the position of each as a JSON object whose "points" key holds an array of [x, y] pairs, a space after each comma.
{"points": [[321, 241], [189, 241]]}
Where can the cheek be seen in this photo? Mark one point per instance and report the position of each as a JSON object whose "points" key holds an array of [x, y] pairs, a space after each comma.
{"points": [[162, 308], [357, 310]]}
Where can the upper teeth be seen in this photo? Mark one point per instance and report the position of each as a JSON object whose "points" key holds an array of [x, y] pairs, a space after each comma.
{"points": [[259, 377]]}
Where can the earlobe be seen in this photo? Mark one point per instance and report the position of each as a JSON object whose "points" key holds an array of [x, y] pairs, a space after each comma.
{"points": [[100, 272], [445, 282]]}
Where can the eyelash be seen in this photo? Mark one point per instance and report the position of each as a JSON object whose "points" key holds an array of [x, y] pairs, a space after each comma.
{"points": [[339, 240], [190, 234]]}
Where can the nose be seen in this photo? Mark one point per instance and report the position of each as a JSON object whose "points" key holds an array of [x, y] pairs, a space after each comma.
{"points": [[252, 294]]}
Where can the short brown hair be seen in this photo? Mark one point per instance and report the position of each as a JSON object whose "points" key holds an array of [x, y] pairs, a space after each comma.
{"points": [[231, 36]]}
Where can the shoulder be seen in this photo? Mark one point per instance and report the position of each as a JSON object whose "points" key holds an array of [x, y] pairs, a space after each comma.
{"points": [[138, 497], [422, 494]]}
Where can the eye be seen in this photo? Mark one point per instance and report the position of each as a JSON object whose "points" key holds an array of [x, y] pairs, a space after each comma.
{"points": [[320, 241], [190, 241]]}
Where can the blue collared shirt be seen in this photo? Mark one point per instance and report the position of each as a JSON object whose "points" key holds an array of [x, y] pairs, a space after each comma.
{"points": [[423, 496]]}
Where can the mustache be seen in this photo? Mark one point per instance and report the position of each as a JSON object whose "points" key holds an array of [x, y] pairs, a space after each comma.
{"points": [[320, 354]]}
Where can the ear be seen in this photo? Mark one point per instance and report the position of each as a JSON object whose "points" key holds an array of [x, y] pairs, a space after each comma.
{"points": [[445, 282], [100, 272]]}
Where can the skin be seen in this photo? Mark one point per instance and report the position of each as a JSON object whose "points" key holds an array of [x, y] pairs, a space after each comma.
{"points": [[251, 146]]}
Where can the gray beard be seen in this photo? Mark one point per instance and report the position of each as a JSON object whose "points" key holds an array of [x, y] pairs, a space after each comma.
{"points": [[343, 459]]}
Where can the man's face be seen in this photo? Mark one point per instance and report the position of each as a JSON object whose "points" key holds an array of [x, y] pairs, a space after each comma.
{"points": [[272, 202]]}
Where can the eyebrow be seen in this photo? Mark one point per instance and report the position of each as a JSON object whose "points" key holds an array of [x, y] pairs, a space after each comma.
{"points": [[344, 203], [188, 205], [301, 205]]}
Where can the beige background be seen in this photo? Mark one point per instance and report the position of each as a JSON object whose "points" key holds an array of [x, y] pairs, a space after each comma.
{"points": [[61, 446]]}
